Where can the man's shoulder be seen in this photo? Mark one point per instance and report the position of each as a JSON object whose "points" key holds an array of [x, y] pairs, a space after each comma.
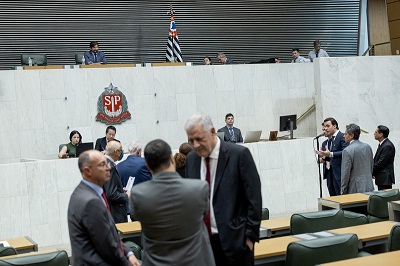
{"points": [[222, 129], [101, 139]]}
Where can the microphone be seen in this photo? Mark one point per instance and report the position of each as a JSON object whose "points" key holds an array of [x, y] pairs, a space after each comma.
{"points": [[320, 135]]}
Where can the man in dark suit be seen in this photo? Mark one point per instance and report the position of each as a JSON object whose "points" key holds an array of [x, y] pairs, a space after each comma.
{"points": [[221, 57], [331, 154], [235, 192], [117, 197], [170, 210], [94, 56], [101, 143], [357, 163], [93, 235], [383, 160], [134, 165], [231, 133]]}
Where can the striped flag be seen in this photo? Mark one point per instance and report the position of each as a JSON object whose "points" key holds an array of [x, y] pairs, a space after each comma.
{"points": [[173, 53]]}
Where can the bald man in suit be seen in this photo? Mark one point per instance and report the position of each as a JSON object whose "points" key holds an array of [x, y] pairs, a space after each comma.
{"points": [[94, 237]]}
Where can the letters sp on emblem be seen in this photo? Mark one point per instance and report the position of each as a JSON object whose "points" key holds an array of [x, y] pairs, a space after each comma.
{"points": [[112, 106]]}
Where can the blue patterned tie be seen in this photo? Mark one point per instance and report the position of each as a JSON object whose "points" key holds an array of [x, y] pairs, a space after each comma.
{"points": [[232, 135]]}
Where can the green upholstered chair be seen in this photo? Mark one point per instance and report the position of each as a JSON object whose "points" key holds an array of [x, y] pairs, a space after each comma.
{"points": [[7, 251], [322, 250], [56, 258], [394, 238], [78, 58], [352, 219], [324, 220], [265, 214], [38, 59], [378, 205], [314, 221], [136, 249]]}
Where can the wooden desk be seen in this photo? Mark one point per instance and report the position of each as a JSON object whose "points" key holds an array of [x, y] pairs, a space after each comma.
{"points": [[28, 254], [394, 210], [168, 64], [276, 227], [343, 201], [43, 67], [387, 259], [107, 65], [129, 229], [22, 244], [368, 234], [272, 249]]}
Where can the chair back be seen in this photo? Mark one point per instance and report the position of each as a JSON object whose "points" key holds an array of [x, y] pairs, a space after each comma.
{"points": [[78, 58], [394, 238], [38, 59], [322, 250], [315, 221], [378, 205], [265, 214], [353, 219], [7, 251], [56, 258]]}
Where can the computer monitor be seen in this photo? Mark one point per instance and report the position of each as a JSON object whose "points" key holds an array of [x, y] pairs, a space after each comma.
{"points": [[81, 148], [288, 123]]}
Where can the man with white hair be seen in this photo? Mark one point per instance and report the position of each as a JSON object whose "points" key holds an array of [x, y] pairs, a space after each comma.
{"points": [[134, 165], [234, 216], [117, 197]]}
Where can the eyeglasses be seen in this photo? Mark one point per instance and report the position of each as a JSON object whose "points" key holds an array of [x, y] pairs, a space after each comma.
{"points": [[102, 164]]}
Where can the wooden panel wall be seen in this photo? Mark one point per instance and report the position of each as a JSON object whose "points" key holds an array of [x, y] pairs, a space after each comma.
{"points": [[393, 10], [378, 26]]}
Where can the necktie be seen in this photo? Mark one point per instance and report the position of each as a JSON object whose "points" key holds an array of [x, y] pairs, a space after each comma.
{"points": [[95, 58], [208, 179], [232, 134], [316, 54], [106, 201], [329, 147]]}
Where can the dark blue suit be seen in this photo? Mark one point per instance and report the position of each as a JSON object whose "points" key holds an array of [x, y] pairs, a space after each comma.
{"points": [[133, 166], [90, 57], [333, 175]]}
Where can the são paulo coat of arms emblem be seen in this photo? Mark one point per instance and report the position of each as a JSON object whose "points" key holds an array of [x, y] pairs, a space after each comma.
{"points": [[112, 106]]}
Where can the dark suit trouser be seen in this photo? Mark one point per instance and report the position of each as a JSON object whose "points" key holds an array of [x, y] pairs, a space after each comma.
{"points": [[221, 260], [332, 183], [382, 187]]}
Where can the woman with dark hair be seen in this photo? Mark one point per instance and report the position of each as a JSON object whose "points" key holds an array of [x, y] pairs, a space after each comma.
{"points": [[180, 158], [207, 61], [69, 150]]}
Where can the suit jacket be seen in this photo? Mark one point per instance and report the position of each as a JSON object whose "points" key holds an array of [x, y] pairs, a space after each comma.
{"points": [[133, 166], [170, 210], [383, 164], [117, 198], [227, 135], [101, 144], [336, 161], [93, 235], [237, 196], [89, 57], [357, 166]]}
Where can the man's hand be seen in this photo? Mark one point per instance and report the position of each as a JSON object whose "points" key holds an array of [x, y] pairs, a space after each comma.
{"points": [[249, 243], [133, 261], [326, 153]]}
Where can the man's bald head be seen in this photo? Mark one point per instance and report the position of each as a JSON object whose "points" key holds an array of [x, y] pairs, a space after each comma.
{"points": [[94, 167], [113, 149]]}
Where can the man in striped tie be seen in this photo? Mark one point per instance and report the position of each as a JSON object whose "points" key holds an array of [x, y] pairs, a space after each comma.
{"points": [[231, 133]]}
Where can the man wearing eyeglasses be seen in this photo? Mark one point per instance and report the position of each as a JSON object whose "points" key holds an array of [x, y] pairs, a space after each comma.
{"points": [[117, 197]]}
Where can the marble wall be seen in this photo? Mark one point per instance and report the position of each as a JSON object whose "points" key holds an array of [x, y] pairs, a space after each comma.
{"points": [[39, 108]]}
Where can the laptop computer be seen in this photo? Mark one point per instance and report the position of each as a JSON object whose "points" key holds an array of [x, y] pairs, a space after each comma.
{"points": [[252, 136], [83, 147], [221, 135]]}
